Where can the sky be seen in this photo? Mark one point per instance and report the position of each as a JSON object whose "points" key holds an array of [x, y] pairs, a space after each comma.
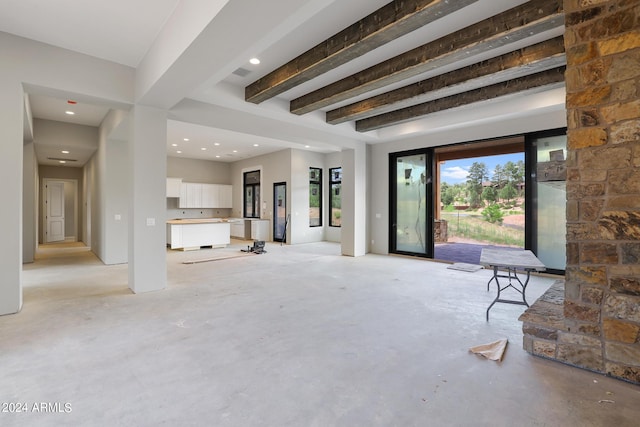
{"points": [[455, 171]]}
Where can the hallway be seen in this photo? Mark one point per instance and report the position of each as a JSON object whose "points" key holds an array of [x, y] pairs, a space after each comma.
{"points": [[299, 336]]}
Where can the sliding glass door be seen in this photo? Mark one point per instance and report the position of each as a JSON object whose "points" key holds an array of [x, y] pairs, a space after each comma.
{"points": [[547, 198], [280, 212], [411, 212]]}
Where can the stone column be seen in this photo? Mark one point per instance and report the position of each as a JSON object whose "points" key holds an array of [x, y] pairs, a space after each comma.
{"points": [[602, 290]]}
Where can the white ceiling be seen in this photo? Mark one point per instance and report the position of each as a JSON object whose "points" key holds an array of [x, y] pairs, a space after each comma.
{"points": [[124, 32]]}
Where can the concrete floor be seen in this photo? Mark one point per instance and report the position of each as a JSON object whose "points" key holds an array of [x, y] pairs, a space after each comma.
{"points": [[300, 336]]}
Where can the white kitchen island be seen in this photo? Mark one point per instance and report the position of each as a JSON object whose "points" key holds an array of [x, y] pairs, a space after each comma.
{"points": [[191, 234]]}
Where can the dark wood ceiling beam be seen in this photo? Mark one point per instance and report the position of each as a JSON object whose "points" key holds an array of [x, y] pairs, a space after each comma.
{"points": [[391, 21], [542, 80], [513, 25], [522, 62]]}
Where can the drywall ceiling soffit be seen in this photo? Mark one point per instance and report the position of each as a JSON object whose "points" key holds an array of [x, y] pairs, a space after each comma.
{"points": [[508, 34], [120, 31]]}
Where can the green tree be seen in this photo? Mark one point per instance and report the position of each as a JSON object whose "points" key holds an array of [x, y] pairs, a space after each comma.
{"points": [[490, 194], [514, 172], [493, 214], [499, 178], [508, 192], [477, 175], [447, 194]]}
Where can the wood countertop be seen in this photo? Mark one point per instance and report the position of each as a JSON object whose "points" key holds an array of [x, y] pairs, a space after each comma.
{"points": [[199, 221]]}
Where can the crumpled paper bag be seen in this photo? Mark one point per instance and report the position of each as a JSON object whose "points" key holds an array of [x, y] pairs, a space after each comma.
{"points": [[492, 351]]}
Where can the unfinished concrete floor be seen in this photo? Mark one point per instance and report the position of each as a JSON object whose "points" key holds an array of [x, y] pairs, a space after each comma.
{"points": [[300, 336]]}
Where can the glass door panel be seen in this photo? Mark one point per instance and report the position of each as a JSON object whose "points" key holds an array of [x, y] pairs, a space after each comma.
{"points": [[549, 200], [411, 228], [280, 211]]}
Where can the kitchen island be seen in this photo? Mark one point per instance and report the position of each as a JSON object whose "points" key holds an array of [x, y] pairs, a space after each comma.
{"points": [[191, 233]]}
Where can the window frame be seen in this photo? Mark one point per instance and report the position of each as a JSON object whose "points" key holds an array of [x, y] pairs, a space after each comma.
{"points": [[333, 181], [315, 181]]}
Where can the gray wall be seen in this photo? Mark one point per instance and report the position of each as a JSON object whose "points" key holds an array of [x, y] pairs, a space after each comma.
{"points": [[203, 171]]}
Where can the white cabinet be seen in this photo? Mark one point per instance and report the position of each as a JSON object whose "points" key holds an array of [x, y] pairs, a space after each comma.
{"points": [[173, 187], [250, 229], [237, 228], [225, 196], [190, 195], [260, 229], [196, 235], [207, 196]]}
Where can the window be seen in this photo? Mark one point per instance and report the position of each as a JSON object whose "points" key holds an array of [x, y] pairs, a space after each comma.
{"points": [[315, 197], [335, 203], [252, 194]]}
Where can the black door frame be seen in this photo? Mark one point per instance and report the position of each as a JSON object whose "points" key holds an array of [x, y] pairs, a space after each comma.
{"points": [[282, 239], [530, 189], [429, 214]]}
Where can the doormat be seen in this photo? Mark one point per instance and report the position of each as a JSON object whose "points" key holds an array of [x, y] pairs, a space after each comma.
{"points": [[463, 266]]}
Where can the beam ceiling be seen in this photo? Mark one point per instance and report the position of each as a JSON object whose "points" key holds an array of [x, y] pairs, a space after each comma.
{"points": [[529, 60], [382, 26], [538, 81], [527, 67]]}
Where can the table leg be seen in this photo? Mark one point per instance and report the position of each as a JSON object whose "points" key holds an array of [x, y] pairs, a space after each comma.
{"points": [[509, 276]]}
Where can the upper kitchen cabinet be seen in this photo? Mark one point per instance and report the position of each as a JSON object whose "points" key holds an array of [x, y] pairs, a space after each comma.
{"points": [[225, 198], [205, 196], [173, 187]]}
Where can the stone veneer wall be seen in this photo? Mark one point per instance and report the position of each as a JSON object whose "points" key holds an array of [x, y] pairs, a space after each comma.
{"points": [[601, 326]]}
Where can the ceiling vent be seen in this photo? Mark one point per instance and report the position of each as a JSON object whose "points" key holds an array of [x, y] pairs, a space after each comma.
{"points": [[57, 159], [242, 72]]}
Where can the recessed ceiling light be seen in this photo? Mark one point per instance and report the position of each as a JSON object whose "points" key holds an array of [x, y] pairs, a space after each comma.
{"points": [[307, 146], [254, 61], [71, 113], [256, 145], [174, 145], [179, 152], [204, 148], [235, 151], [217, 157], [65, 152], [216, 143], [61, 161], [185, 139]]}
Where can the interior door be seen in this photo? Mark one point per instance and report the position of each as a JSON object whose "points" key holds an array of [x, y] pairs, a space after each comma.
{"points": [[55, 211], [411, 206], [280, 211]]}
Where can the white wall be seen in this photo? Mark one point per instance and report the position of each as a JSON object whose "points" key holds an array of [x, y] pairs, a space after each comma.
{"points": [[29, 203], [109, 193], [11, 165]]}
